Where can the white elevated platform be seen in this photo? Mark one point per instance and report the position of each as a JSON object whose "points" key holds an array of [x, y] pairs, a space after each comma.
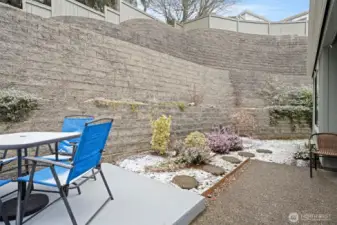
{"points": [[138, 200]]}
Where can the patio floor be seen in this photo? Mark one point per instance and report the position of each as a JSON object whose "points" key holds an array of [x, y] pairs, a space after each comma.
{"points": [[138, 200], [266, 193]]}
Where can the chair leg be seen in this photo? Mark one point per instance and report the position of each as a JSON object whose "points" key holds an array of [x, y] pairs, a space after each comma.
{"points": [[106, 184], [310, 164], [3, 214], [78, 188], [66, 190], [315, 158], [50, 149], [93, 174], [29, 190], [26, 161], [3, 157], [37, 151], [63, 195]]}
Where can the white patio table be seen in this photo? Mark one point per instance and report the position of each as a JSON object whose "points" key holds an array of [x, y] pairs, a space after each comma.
{"points": [[23, 141]]}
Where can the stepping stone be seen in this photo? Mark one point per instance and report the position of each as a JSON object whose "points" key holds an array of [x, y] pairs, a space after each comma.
{"points": [[264, 151], [215, 170], [231, 159], [246, 154], [185, 182]]}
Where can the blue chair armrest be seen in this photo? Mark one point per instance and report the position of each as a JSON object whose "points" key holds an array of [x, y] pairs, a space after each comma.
{"points": [[56, 163]]}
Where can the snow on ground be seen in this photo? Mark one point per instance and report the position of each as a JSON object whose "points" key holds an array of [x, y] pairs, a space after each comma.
{"points": [[283, 151], [218, 161], [138, 164], [206, 180]]}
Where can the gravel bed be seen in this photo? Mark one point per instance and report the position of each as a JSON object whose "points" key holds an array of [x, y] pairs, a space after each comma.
{"points": [[282, 153]]}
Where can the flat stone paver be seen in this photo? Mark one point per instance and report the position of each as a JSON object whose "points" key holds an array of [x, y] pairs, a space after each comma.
{"points": [[185, 182], [264, 151], [215, 170], [267, 193], [246, 154], [231, 159]]}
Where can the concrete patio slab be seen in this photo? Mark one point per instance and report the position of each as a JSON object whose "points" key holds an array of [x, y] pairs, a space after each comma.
{"points": [[138, 200]]}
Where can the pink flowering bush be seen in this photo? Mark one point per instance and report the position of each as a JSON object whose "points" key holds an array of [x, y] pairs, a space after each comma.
{"points": [[223, 140]]}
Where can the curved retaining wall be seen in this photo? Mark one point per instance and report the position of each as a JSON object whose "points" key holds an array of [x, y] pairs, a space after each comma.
{"points": [[250, 59], [67, 61]]}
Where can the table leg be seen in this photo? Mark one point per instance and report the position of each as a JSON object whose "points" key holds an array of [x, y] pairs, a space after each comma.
{"points": [[14, 206], [26, 162], [56, 151], [21, 189]]}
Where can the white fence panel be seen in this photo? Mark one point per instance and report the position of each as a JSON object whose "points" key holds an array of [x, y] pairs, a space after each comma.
{"points": [[296, 28], [128, 12], [253, 27], [222, 23], [37, 8], [197, 24], [111, 15], [74, 8]]}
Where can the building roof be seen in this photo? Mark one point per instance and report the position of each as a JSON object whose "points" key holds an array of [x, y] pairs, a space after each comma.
{"points": [[253, 14], [294, 16]]}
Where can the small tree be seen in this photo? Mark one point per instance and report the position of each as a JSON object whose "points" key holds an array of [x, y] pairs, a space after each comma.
{"points": [[161, 129], [146, 4], [183, 10], [243, 121]]}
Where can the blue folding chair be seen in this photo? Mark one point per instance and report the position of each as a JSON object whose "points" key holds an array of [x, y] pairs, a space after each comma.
{"points": [[73, 123], [3, 214], [61, 175], [4, 160]]}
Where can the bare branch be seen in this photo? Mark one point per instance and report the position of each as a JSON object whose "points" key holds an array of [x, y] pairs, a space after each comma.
{"points": [[185, 10]]}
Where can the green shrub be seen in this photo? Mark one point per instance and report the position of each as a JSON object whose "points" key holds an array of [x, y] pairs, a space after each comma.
{"points": [[114, 104], [16, 105], [161, 129], [300, 97], [177, 146], [195, 139], [190, 155], [302, 152], [181, 106], [295, 105], [194, 155], [295, 114]]}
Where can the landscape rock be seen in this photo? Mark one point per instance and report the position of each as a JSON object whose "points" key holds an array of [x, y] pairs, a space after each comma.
{"points": [[231, 159], [185, 182], [215, 170], [264, 151], [246, 154]]}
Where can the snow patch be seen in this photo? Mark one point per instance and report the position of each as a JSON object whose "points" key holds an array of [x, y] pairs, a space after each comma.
{"points": [[283, 151]]}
